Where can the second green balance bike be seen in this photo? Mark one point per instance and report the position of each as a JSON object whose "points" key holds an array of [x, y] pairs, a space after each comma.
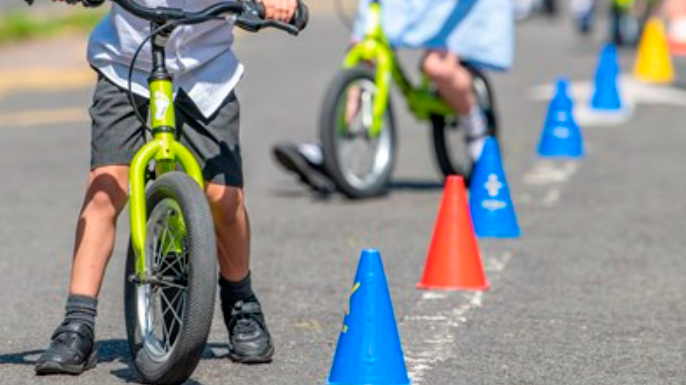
{"points": [[357, 126]]}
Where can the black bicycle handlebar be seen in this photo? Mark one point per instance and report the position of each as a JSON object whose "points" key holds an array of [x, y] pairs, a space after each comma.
{"points": [[250, 15]]}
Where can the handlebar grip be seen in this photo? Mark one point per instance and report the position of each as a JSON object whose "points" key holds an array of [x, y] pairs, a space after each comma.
{"points": [[92, 3], [301, 17]]}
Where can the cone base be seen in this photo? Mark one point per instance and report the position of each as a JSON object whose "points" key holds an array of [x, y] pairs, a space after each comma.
{"points": [[356, 383], [561, 156], [610, 111], [501, 236], [654, 80], [425, 286]]}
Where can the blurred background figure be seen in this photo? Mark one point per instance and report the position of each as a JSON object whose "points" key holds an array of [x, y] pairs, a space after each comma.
{"points": [[582, 12], [526, 8]]}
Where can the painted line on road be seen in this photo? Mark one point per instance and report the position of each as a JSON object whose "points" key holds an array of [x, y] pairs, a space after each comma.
{"points": [[550, 176], [44, 117], [43, 79], [431, 326], [547, 172]]}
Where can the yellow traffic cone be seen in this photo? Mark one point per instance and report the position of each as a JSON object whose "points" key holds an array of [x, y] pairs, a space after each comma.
{"points": [[653, 63]]}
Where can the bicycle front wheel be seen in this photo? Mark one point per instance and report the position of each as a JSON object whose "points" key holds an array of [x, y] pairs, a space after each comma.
{"points": [[449, 141], [360, 164], [169, 313]]}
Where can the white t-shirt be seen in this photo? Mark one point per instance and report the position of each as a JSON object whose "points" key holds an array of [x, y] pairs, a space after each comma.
{"points": [[199, 56]]}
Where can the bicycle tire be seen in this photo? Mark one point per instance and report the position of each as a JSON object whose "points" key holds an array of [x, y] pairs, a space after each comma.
{"points": [[442, 149], [329, 136], [199, 298]]}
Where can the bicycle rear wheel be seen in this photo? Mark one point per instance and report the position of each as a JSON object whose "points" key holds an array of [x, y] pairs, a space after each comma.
{"points": [[168, 317], [359, 164], [449, 141]]}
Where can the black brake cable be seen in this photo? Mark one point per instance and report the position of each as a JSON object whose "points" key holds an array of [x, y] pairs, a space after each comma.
{"points": [[129, 87], [131, 96]]}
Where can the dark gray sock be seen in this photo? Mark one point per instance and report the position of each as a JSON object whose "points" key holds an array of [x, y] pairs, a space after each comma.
{"points": [[231, 292], [82, 308]]}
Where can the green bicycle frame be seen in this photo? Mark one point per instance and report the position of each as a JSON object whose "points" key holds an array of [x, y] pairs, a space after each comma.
{"points": [[164, 149], [376, 48]]}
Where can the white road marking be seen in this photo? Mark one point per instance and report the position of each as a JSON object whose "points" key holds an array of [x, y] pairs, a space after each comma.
{"points": [[552, 197], [437, 320], [548, 172], [587, 116], [429, 295]]}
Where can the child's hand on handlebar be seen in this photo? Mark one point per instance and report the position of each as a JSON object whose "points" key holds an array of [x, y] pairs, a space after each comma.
{"points": [[281, 10]]}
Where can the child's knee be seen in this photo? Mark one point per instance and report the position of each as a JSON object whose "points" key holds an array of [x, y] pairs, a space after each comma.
{"points": [[446, 69], [228, 205], [438, 67], [107, 193], [463, 79]]}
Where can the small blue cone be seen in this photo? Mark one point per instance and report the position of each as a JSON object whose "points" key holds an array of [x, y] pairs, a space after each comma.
{"points": [[369, 351], [606, 96], [561, 135], [489, 197]]}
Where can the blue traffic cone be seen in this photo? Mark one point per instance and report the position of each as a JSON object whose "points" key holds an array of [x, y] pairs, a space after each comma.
{"points": [[489, 197], [369, 350], [606, 96], [561, 135]]}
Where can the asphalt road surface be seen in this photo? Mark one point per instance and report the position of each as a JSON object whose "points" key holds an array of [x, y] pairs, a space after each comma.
{"points": [[592, 293]]}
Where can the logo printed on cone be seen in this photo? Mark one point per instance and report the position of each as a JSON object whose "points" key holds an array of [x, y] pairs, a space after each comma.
{"points": [[369, 350], [454, 262], [606, 96], [490, 202], [653, 63], [561, 135]]}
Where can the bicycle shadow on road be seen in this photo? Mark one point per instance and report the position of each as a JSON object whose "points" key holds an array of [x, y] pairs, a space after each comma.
{"points": [[128, 374], [302, 191], [415, 185], [112, 351], [108, 351]]}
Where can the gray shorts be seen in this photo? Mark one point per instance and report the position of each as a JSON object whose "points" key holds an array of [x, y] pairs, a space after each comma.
{"points": [[117, 134]]}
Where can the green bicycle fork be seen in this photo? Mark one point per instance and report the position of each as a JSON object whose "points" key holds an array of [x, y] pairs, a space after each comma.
{"points": [[164, 149]]}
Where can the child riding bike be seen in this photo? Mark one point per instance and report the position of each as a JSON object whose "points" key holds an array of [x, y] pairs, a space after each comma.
{"points": [[206, 72], [477, 31]]}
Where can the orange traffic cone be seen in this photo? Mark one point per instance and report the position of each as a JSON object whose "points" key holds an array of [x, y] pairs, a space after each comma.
{"points": [[677, 27], [454, 262]]}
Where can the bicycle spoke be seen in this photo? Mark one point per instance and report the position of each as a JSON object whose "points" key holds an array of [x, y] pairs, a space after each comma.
{"points": [[170, 266], [160, 254], [171, 285], [170, 306]]}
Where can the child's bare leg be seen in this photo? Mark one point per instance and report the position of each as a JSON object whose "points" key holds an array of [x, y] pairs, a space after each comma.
{"points": [[233, 230], [95, 232], [452, 80], [250, 343], [454, 83], [72, 347]]}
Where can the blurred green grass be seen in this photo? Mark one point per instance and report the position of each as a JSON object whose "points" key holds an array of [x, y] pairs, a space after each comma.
{"points": [[16, 26]]}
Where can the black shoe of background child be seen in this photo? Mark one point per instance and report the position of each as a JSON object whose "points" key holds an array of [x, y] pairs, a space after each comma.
{"points": [[306, 161], [71, 351], [249, 339]]}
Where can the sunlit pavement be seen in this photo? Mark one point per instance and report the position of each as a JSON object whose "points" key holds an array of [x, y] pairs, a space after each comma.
{"points": [[592, 293]]}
